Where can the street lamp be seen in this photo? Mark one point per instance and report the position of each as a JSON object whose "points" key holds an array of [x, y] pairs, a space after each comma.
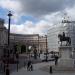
{"points": [[7, 57], [46, 48], [29, 48], [9, 15], [38, 46]]}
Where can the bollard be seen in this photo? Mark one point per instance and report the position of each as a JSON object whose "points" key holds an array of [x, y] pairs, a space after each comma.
{"points": [[4, 67], [31, 67], [17, 67], [7, 71], [51, 69]]}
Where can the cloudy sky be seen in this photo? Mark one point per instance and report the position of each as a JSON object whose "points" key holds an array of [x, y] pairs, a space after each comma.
{"points": [[35, 16]]}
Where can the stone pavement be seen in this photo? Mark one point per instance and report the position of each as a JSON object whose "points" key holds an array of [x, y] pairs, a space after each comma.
{"points": [[59, 68], [39, 71], [13, 67]]}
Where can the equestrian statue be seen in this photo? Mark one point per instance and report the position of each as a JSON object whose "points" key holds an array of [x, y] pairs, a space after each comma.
{"points": [[62, 38]]}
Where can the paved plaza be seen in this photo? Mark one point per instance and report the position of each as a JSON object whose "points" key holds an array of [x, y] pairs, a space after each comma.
{"points": [[38, 71], [40, 68]]}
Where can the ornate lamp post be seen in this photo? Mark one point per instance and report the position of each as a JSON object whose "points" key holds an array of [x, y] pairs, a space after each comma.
{"points": [[38, 46], [7, 57], [9, 15], [30, 47], [46, 48]]}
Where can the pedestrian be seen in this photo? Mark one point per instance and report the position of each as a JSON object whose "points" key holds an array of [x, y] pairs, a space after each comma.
{"points": [[29, 66], [35, 53], [56, 59], [25, 62]]}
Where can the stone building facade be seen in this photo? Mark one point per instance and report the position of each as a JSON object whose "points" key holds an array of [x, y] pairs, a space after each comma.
{"points": [[66, 26], [22, 41], [26, 40], [3, 36]]}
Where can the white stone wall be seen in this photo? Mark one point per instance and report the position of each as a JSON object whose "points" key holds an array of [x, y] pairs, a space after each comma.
{"points": [[53, 38], [68, 28], [3, 37]]}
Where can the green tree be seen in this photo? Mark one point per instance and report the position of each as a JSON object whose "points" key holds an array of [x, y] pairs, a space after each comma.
{"points": [[23, 48]]}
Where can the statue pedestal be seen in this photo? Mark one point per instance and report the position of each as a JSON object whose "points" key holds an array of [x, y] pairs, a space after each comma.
{"points": [[65, 54]]}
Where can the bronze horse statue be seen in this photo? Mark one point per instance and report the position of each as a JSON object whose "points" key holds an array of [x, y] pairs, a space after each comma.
{"points": [[64, 38]]}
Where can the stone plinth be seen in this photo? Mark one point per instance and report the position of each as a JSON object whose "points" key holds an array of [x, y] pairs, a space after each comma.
{"points": [[65, 54]]}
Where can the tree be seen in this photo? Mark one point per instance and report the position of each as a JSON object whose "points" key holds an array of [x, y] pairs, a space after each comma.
{"points": [[35, 53], [23, 48]]}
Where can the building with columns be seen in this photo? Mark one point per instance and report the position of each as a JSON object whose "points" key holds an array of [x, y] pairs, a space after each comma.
{"points": [[22, 41], [26, 40], [3, 36]]}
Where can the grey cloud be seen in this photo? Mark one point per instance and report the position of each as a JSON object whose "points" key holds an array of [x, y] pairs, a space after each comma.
{"points": [[42, 7]]}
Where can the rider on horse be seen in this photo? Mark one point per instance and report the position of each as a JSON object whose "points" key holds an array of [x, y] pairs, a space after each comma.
{"points": [[64, 38], [63, 34]]}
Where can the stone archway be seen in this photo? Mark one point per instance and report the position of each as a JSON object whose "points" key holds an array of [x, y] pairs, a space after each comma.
{"points": [[17, 48], [23, 48]]}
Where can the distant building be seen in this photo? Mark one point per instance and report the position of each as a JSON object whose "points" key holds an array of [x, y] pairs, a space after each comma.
{"points": [[27, 40], [21, 42], [43, 43], [65, 26], [3, 36]]}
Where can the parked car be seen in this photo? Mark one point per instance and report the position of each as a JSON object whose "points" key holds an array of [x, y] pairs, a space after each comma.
{"points": [[49, 57], [42, 56]]}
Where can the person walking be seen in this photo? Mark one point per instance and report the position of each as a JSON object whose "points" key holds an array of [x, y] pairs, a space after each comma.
{"points": [[56, 59], [35, 53], [29, 66], [25, 59]]}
